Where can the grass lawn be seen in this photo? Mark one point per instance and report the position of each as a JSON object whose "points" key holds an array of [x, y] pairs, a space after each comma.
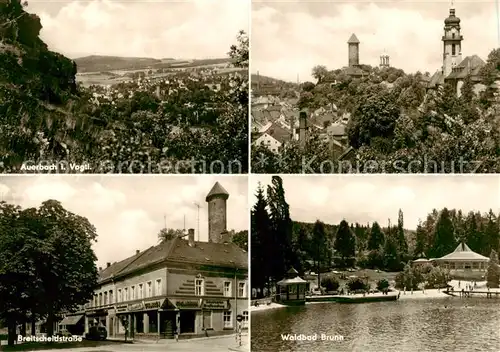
{"points": [[39, 346]]}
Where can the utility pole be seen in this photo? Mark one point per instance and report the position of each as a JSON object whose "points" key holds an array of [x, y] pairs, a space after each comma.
{"points": [[198, 219], [165, 221]]}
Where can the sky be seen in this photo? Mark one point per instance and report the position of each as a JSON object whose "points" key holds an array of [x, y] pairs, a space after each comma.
{"points": [[179, 29], [368, 198], [128, 211], [290, 37]]}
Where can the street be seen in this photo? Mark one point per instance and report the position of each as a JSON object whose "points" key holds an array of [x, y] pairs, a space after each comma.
{"points": [[213, 344]]}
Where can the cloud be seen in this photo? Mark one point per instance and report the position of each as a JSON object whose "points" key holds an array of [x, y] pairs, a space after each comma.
{"points": [[371, 198], [127, 211], [289, 39], [164, 29]]}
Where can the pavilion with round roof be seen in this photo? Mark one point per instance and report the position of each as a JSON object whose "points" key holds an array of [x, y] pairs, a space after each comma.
{"points": [[292, 290], [463, 259]]}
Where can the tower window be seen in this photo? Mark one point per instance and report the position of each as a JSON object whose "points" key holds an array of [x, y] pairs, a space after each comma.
{"points": [[453, 35], [453, 49]]}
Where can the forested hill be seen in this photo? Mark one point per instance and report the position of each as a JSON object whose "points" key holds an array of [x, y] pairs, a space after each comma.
{"points": [[258, 78], [98, 63]]}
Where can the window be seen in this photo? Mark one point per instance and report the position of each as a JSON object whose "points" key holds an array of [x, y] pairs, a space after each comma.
{"points": [[95, 300], [228, 321], [242, 289], [125, 294], [149, 289], [140, 294], [199, 287], [453, 49], [100, 299], [453, 35], [158, 289], [111, 297], [227, 289], [132, 293], [105, 298], [119, 298], [245, 319]]}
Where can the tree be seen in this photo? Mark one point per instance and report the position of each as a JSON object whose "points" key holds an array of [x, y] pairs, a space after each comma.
{"points": [[239, 53], [437, 277], [357, 283], [375, 116], [376, 239], [260, 242], [320, 247], [420, 241], [444, 238], [330, 284], [240, 238], [283, 257], [169, 234], [402, 244], [493, 272], [319, 72], [345, 244], [52, 246]]}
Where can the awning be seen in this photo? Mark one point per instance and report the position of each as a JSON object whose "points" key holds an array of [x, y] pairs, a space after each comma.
{"points": [[71, 320]]}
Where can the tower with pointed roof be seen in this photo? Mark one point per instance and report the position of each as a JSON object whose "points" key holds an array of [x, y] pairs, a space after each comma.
{"points": [[353, 49], [452, 43], [217, 209]]}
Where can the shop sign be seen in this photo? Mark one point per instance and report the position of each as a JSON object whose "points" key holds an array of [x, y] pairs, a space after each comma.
{"points": [[214, 304], [187, 304], [136, 306], [121, 309], [152, 305]]}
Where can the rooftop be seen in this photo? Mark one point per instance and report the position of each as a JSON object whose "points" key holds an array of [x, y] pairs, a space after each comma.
{"points": [[217, 190], [353, 39], [227, 255], [463, 252]]}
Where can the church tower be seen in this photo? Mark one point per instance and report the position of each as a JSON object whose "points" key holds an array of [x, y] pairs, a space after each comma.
{"points": [[452, 43], [217, 208]]}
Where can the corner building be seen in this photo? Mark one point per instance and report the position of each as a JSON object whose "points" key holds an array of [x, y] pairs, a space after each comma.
{"points": [[193, 287]]}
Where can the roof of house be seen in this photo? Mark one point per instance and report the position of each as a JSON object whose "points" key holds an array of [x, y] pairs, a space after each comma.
{"points": [[463, 252], [336, 129], [278, 132], [471, 65], [177, 249], [421, 260], [437, 79], [353, 39], [217, 190], [296, 280]]}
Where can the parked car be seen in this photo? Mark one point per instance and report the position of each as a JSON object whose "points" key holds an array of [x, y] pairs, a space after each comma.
{"points": [[97, 333], [64, 333]]}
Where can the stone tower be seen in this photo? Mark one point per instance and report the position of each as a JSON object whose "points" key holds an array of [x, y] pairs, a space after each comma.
{"points": [[353, 44], [452, 43], [217, 221], [384, 61]]}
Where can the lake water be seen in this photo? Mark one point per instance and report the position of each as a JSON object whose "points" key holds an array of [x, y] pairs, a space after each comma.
{"points": [[465, 325]]}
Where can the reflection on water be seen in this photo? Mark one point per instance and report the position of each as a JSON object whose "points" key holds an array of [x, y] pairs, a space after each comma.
{"points": [[449, 324]]}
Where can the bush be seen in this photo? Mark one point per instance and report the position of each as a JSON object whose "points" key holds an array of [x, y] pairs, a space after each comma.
{"points": [[357, 283], [330, 284], [437, 278], [409, 278], [382, 285]]}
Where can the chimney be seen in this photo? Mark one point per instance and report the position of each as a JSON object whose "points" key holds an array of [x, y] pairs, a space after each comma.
{"points": [[226, 237], [191, 237], [137, 251], [108, 264], [302, 128]]}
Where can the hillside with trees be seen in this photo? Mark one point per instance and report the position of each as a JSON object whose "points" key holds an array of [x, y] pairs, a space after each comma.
{"points": [[397, 122], [174, 125], [279, 243]]}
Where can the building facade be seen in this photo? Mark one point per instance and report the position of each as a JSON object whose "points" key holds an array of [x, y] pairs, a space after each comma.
{"points": [[179, 286]]}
